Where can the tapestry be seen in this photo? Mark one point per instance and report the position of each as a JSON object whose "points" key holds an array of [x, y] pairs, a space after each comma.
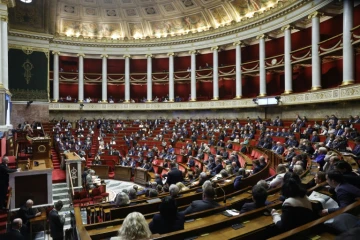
{"points": [[28, 75]]}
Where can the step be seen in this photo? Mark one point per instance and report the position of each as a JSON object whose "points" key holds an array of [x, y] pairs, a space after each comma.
{"points": [[59, 185]]}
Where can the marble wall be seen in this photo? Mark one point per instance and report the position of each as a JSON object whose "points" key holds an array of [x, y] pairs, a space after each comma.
{"points": [[35, 112], [342, 109]]}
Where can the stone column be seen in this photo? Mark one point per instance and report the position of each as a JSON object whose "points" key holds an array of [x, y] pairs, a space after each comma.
{"points": [[215, 72], [238, 70], [287, 58], [1, 56], [348, 51], [193, 75], [81, 77], [8, 115], [104, 78], [315, 58], [262, 73], [149, 77], [171, 77], [127, 78], [4, 52], [56, 76]]}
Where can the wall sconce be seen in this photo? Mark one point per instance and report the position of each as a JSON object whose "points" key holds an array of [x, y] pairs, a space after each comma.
{"points": [[278, 99], [29, 103]]}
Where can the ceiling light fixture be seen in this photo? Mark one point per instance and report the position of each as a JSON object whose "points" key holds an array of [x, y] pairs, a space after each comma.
{"points": [[26, 1]]}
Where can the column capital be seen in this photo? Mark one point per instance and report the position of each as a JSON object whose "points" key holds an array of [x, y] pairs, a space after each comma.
{"points": [[237, 43], [127, 56], [214, 48], [315, 14], [80, 55], [262, 36], [104, 56], [192, 51], [149, 55], [9, 3], [55, 52], [170, 54], [4, 18], [287, 27]]}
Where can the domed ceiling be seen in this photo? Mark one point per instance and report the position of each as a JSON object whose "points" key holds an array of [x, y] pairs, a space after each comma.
{"points": [[118, 19], [137, 19]]}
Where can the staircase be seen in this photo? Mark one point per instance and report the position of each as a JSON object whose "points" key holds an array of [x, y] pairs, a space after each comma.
{"points": [[55, 159], [3, 221]]}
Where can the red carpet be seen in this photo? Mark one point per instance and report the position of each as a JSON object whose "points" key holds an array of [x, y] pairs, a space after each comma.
{"points": [[58, 176]]}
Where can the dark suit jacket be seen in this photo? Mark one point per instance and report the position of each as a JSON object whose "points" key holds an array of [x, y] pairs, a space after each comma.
{"points": [[174, 176], [217, 169], [56, 224], [247, 207], [26, 214], [13, 235], [345, 195], [4, 173], [200, 205], [161, 225]]}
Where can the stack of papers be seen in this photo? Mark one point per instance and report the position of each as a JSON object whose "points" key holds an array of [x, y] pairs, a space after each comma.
{"points": [[326, 201], [232, 212]]}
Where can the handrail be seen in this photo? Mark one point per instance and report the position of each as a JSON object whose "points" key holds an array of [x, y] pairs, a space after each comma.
{"points": [[354, 28], [280, 55], [8, 199], [71, 182], [298, 50], [330, 38]]}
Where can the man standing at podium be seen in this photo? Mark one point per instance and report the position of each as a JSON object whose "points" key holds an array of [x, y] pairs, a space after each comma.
{"points": [[4, 180]]}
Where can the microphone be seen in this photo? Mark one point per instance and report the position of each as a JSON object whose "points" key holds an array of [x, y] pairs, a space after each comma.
{"points": [[224, 201]]}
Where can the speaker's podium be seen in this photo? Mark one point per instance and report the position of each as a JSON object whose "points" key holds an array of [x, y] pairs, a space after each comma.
{"points": [[141, 176], [41, 148], [73, 170], [31, 184]]}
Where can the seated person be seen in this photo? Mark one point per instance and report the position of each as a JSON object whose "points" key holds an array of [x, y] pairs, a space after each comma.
{"points": [[153, 193], [174, 191], [207, 202], [278, 180], [89, 179], [14, 233], [346, 193], [169, 219], [122, 199], [27, 212], [259, 195], [257, 167], [296, 209], [133, 227], [97, 160], [217, 168]]}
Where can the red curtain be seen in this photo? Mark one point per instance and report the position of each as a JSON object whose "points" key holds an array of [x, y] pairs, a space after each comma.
{"points": [[182, 63], [160, 65], [117, 91], [229, 89], [68, 64], [332, 74], [138, 65], [202, 59], [160, 90], [92, 65], [182, 90], [66, 89], [93, 91], [116, 66], [138, 92]]}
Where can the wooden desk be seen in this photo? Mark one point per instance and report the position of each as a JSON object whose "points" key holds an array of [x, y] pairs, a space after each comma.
{"points": [[71, 156], [122, 173], [38, 219], [101, 171]]}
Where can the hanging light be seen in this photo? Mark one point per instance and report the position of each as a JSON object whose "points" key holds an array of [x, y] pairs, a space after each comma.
{"points": [[26, 1]]}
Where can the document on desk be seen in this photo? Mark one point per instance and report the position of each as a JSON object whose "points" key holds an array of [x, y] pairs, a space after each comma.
{"points": [[326, 201]]}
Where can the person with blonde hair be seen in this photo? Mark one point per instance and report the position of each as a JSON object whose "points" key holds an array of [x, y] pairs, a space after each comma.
{"points": [[134, 227], [181, 187], [278, 180]]}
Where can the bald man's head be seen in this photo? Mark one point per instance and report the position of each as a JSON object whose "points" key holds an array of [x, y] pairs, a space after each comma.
{"points": [[29, 203], [17, 223]]}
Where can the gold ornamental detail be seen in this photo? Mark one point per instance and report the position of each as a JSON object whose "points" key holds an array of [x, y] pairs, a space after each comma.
{"points": [[27, 67]]}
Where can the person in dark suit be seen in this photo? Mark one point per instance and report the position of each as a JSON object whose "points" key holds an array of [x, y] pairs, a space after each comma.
{"points": [[14, 233], [169, 219], [4, 180], [257, 167], [26, 212], [218, 168], [259, 195], [175, 175], [206, 203], [56, 222], [346, 193]]}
